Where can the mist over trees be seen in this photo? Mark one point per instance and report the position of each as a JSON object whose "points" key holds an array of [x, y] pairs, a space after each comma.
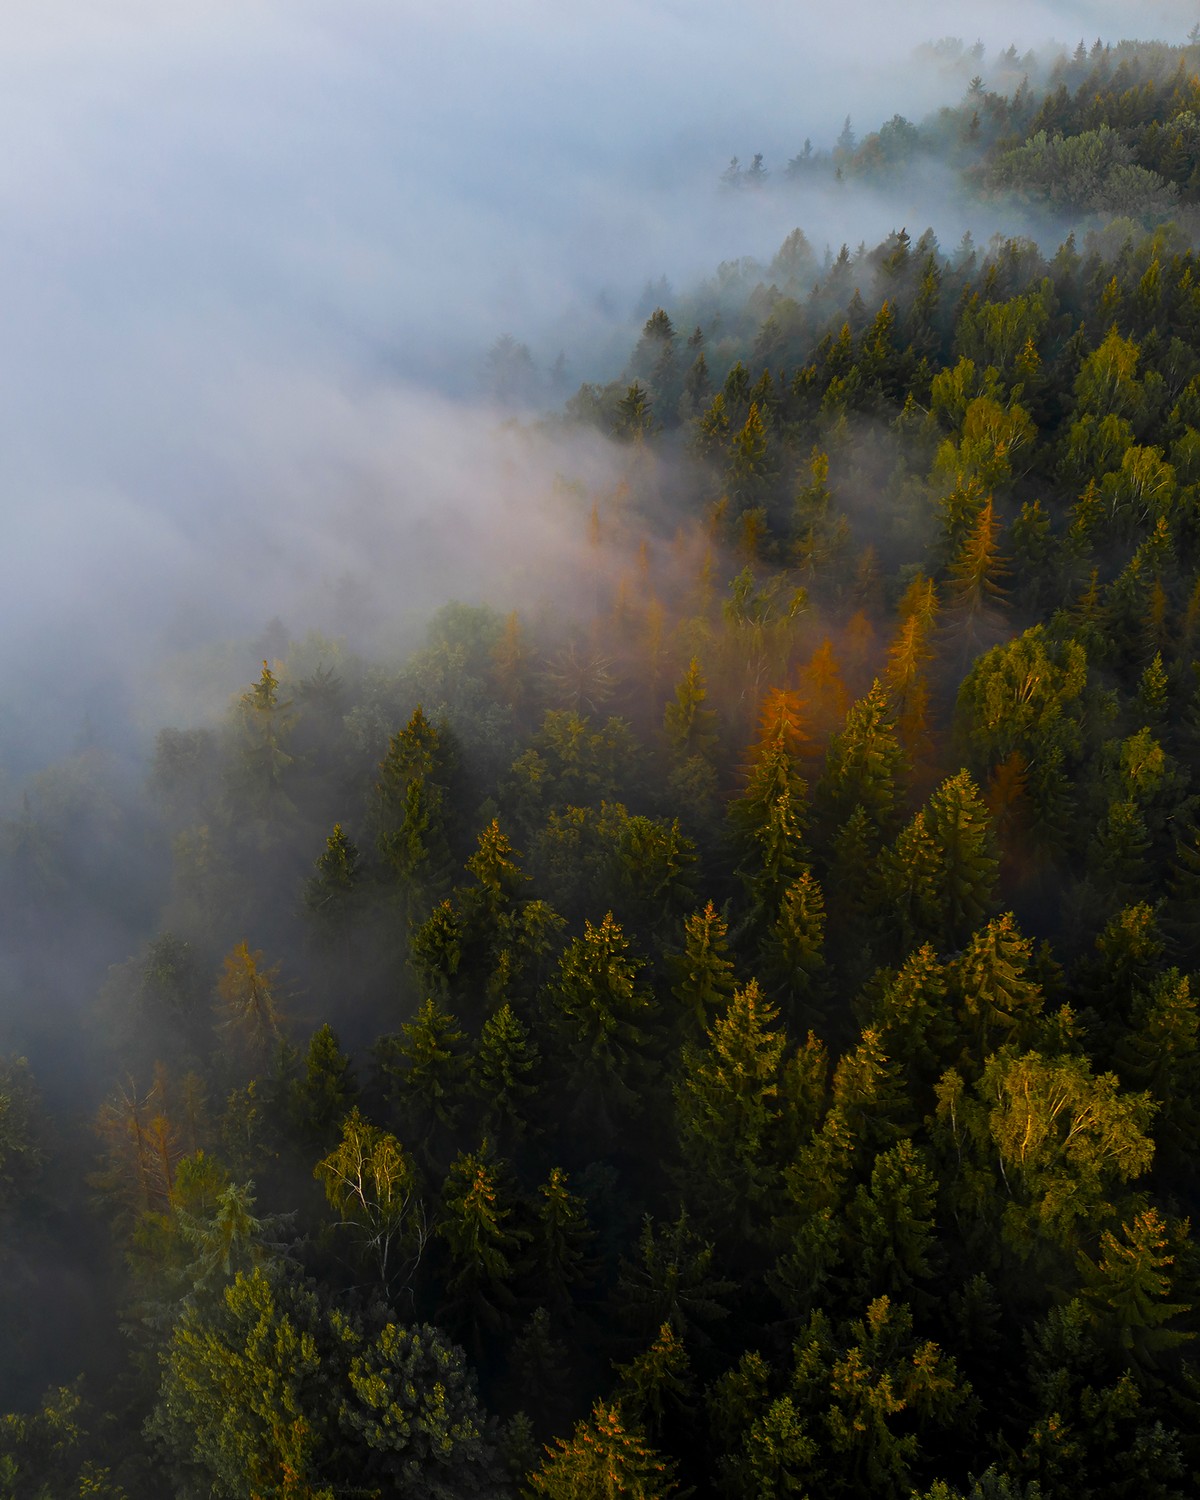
{"points": [[725, 1024]]}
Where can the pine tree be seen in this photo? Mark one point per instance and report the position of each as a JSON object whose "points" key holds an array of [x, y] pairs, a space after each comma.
{"points": [[959, 823], [703, 972], [908, 656], [503, 1076], [413, 837], [768, 820], [867, 1097], [561, 1237], [913, 1018], [495, 868], [821, 533], [857, 888], [891, 1227], [975, 595], [250, 1005], [425, 1066], [482, 1248], [1160, 1052], [1001, 997], [689, 726], [728, 1113], [824, 690], [1127, 1290], [607, 1456], [435, 951], [1153, 692], [911, 877], [750, 463], [657, 1383], [141, 1145], [260, 773], [334, 895], [673, 1282], [328, 1090], [864, 766], [603, 1014], [793, 956]]}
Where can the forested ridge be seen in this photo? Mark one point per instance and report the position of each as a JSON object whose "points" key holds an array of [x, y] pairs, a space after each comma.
{"points": [[735, 1037]]}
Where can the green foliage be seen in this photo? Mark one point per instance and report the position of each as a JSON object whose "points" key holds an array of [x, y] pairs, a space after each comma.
{"points": [[371, 1182], [606, 1456], [503, 1075], [481, 1245], [673, 1283], [271, 1391], [334, 894], [602, 1012], [728, 1114], [425, 1066], [328, 1090], [864, 766], [703, 971]]}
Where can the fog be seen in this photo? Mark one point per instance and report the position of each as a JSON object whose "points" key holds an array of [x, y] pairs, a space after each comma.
{"points": [[254, 256]]}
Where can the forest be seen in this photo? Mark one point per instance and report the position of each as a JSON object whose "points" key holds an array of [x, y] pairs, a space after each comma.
{"points": [[733, 1036]]}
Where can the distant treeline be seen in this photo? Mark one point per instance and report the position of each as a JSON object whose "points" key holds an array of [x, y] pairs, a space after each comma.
{"points": [[1107, 130]]}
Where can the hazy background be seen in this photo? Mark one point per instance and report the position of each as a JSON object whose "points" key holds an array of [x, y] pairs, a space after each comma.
{"points": [[252, 256]]}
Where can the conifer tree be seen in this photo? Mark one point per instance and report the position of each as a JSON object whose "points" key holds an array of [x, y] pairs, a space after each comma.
{"points": [[260, 772], [674, 1282], [821, 534], [867, 1097], [824, 691], [891, 1227], [482, 1247], [435, 951], [503, 1076], [606, 1456], [768, 820], [657, 1383], [425, 1066], [1000, 996], [703, 972], [690, 726], [793, 956], [913, 1017], [334, 894], [750, 464], [728, 1112], [864, 766], [249, 1004], [908, 656], [561, 1237], [1160, 1052], [1128, 1290], [603, 1014], [856, 886], [328, 1090], [975, 595], [411, 811], [959, 823], [911, 873]]}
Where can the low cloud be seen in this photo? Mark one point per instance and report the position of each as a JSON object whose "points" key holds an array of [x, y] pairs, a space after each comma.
{"points": [[255, 254]]}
